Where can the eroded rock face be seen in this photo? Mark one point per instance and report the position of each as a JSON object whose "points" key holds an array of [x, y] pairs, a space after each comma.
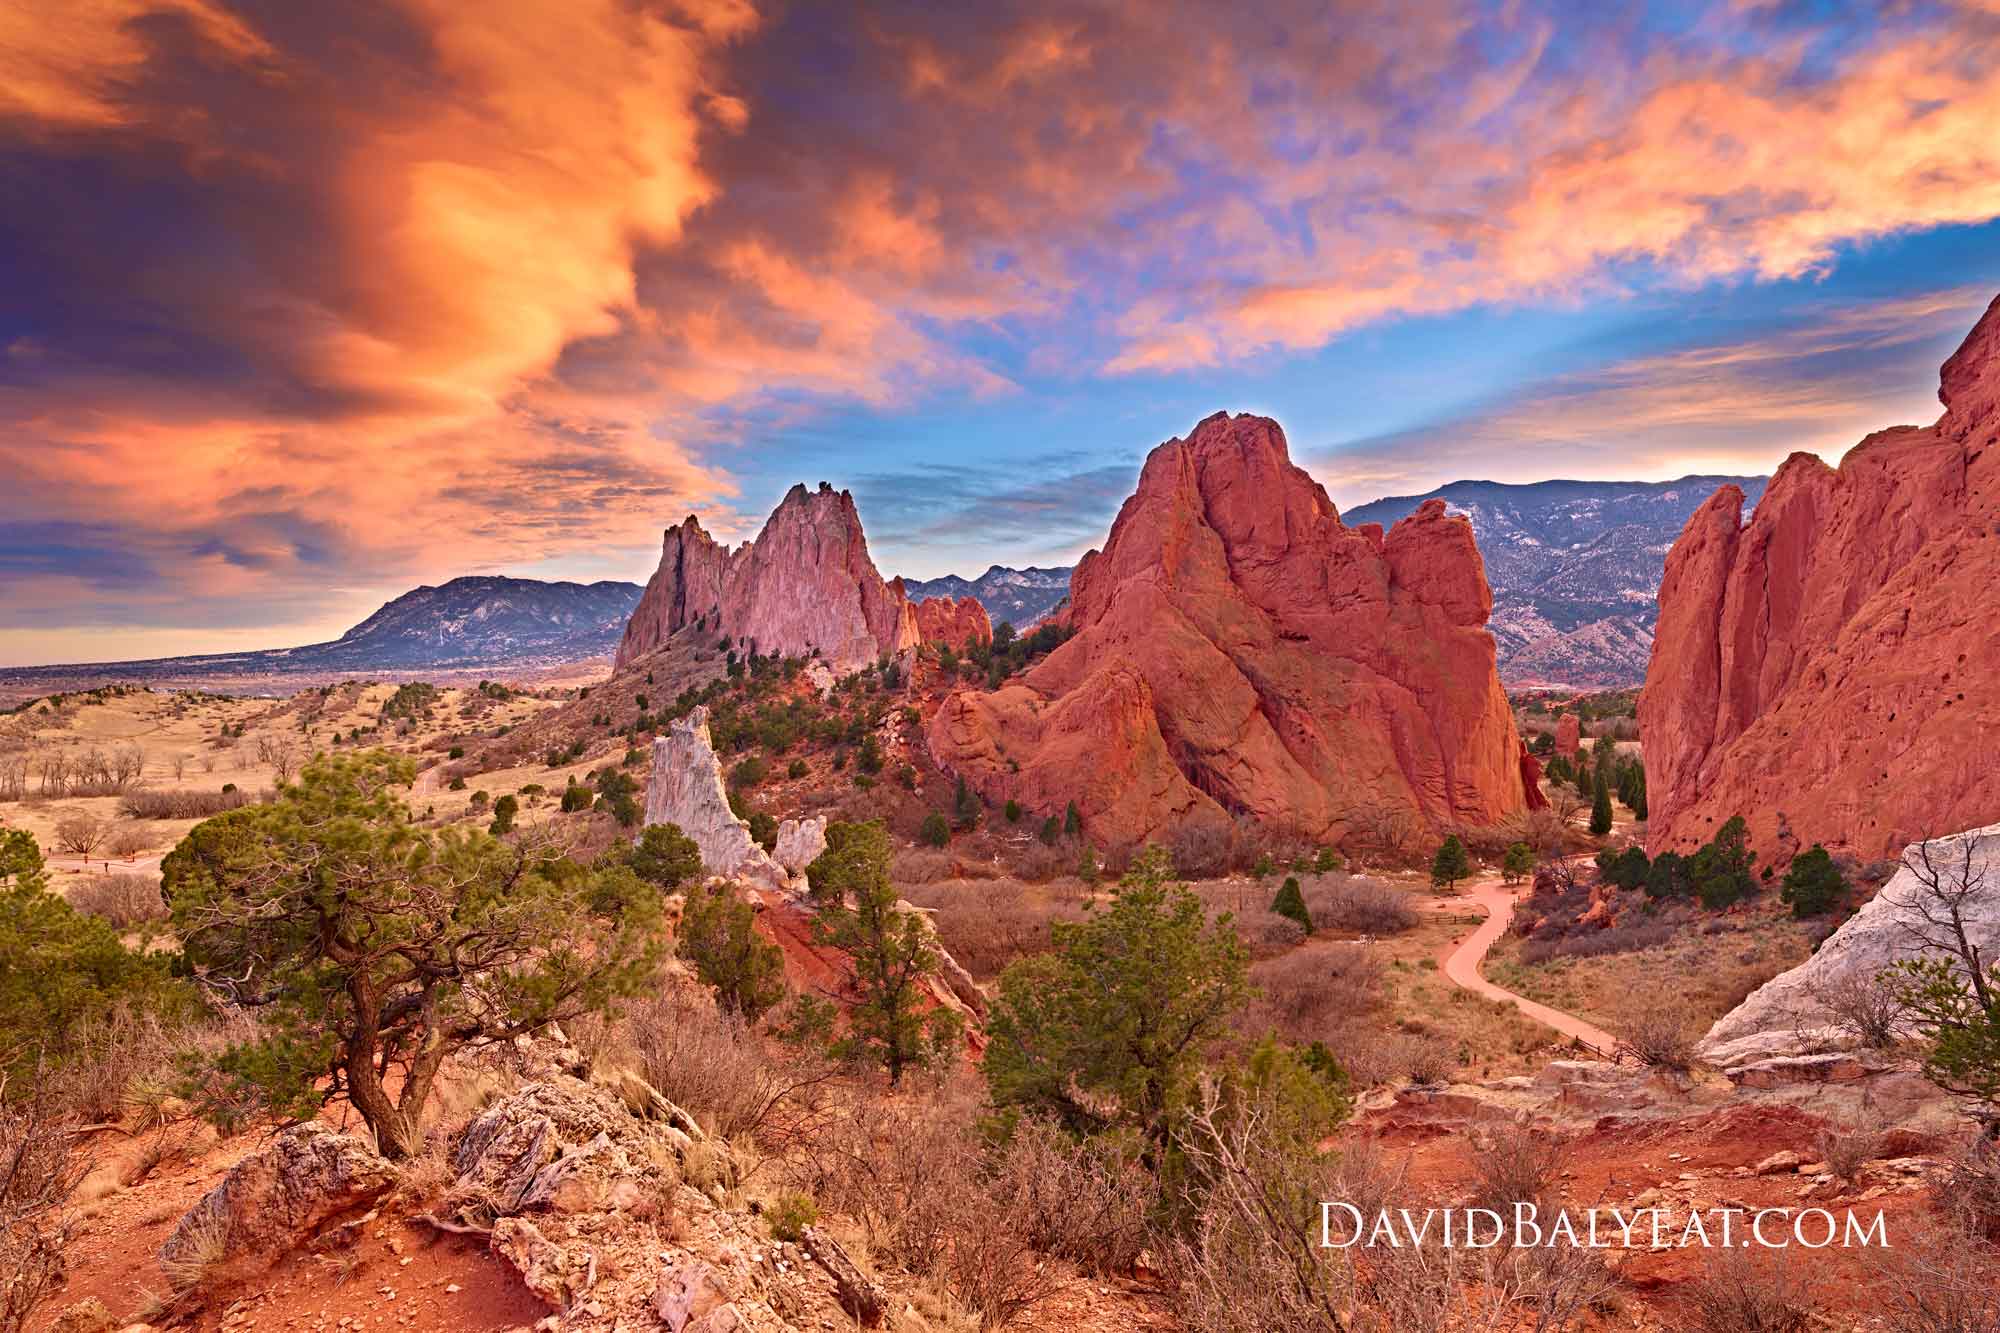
{"points": [[958, 621], [280, 1197], [806, 585], [1240, 650], [686, 789], [1569, 734], [800, 842], [1822, 670], [1788, 1015]]}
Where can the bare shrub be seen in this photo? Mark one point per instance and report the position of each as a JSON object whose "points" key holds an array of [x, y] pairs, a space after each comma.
{"points": [[1933, 1282], [714, 1066], [1201, 850], [80, 833], [1038, 863], [988, 925], [1846, 1148], [123, 900], [1969, 1193], [157, 803], [1430, 1061], [1863, 1008], [921, 865], [1366, 906], [1073, 1200], [1307, 994], [127, 841], [1594, 943], [1739, 1293], [1513, 1164], [1371, 1055], [1657, 1036], [38, 1174], [1268, 935]]}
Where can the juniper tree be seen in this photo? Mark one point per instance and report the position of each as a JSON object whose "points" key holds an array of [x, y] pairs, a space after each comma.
{"points": [[373, 948]]}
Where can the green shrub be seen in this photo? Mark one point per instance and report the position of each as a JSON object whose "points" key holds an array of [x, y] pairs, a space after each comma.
{"points": [[577, 797], [936, 830], [790, 1214], [1012, 810], [1813, 884], [666, 857], [1292, 903]]}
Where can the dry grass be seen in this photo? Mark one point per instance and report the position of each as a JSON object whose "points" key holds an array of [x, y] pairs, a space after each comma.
{"points": [[1746, 1291], [987, 924], [1359, 904], [1708, 965], [1312, 993]]}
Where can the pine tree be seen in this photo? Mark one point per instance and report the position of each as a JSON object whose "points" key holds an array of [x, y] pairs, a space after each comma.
{"points": [[1813, 884], [1518, 863], [1600, 807], [1450, 865], [1291, 903]]}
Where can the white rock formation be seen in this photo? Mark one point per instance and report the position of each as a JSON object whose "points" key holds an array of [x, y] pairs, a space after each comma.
{"points": [[800, 841], [686, 789], [1785, 1016]]}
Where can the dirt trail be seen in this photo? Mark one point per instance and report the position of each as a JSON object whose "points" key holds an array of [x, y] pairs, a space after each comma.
{"points": [[1461, 961]]}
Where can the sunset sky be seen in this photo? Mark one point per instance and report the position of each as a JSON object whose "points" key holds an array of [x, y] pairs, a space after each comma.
{"points": [[304, 304]]}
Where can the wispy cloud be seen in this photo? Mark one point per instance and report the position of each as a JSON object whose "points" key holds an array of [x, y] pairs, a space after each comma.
{"points": [[1740, 406]]}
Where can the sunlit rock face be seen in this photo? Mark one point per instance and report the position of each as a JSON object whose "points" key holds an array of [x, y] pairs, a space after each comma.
{"points": [[1240, 650], [805, 586], [1826, 669]]}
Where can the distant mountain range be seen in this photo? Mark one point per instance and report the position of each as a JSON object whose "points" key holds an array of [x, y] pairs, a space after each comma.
{"points": [[1021, 596], [468, 623], [1574, 565]]}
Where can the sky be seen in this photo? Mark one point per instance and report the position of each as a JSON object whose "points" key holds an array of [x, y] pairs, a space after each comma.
{"points": [[304, 305]]}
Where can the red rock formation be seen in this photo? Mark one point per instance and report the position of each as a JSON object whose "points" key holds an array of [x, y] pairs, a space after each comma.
{"points": [[805, 584], [1240, 650], [1569, 734], [1531, 780], [1827, 670], [958, 621]]}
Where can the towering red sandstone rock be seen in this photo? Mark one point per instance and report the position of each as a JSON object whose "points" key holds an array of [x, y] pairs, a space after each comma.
{"points": [[1569, 734], [805, 584], [1827, 670], [958, 621], [1240, 650]]}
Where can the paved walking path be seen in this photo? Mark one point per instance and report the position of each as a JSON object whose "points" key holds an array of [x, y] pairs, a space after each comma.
{"points": [[1461, 963]]}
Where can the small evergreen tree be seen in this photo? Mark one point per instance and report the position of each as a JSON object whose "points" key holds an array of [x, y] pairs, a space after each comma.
{"points": [[1720, 872], [1072, 820], [1013, 811], [1600, 807], [1292, 903], [666, 857], [377, 947], [1450, 865], [504, 811], [718, 936], [1051, 830], [1518, 863], [965, 805], [893, 951], [936, 831], [1813, 884], [1109, 1028]]}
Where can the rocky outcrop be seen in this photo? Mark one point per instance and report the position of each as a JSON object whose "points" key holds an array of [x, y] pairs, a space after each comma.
{"points": [[686, 789], [278, 1198], [958, 621], [1239, 650], [626, 1222], [1531, 780], [800, 842], [1789, 1014], [1823, 670], [805, 586], [1569, 734]]}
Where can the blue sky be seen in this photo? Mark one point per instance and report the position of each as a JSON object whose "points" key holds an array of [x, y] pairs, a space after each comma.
{"points": [[306, 305]]}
